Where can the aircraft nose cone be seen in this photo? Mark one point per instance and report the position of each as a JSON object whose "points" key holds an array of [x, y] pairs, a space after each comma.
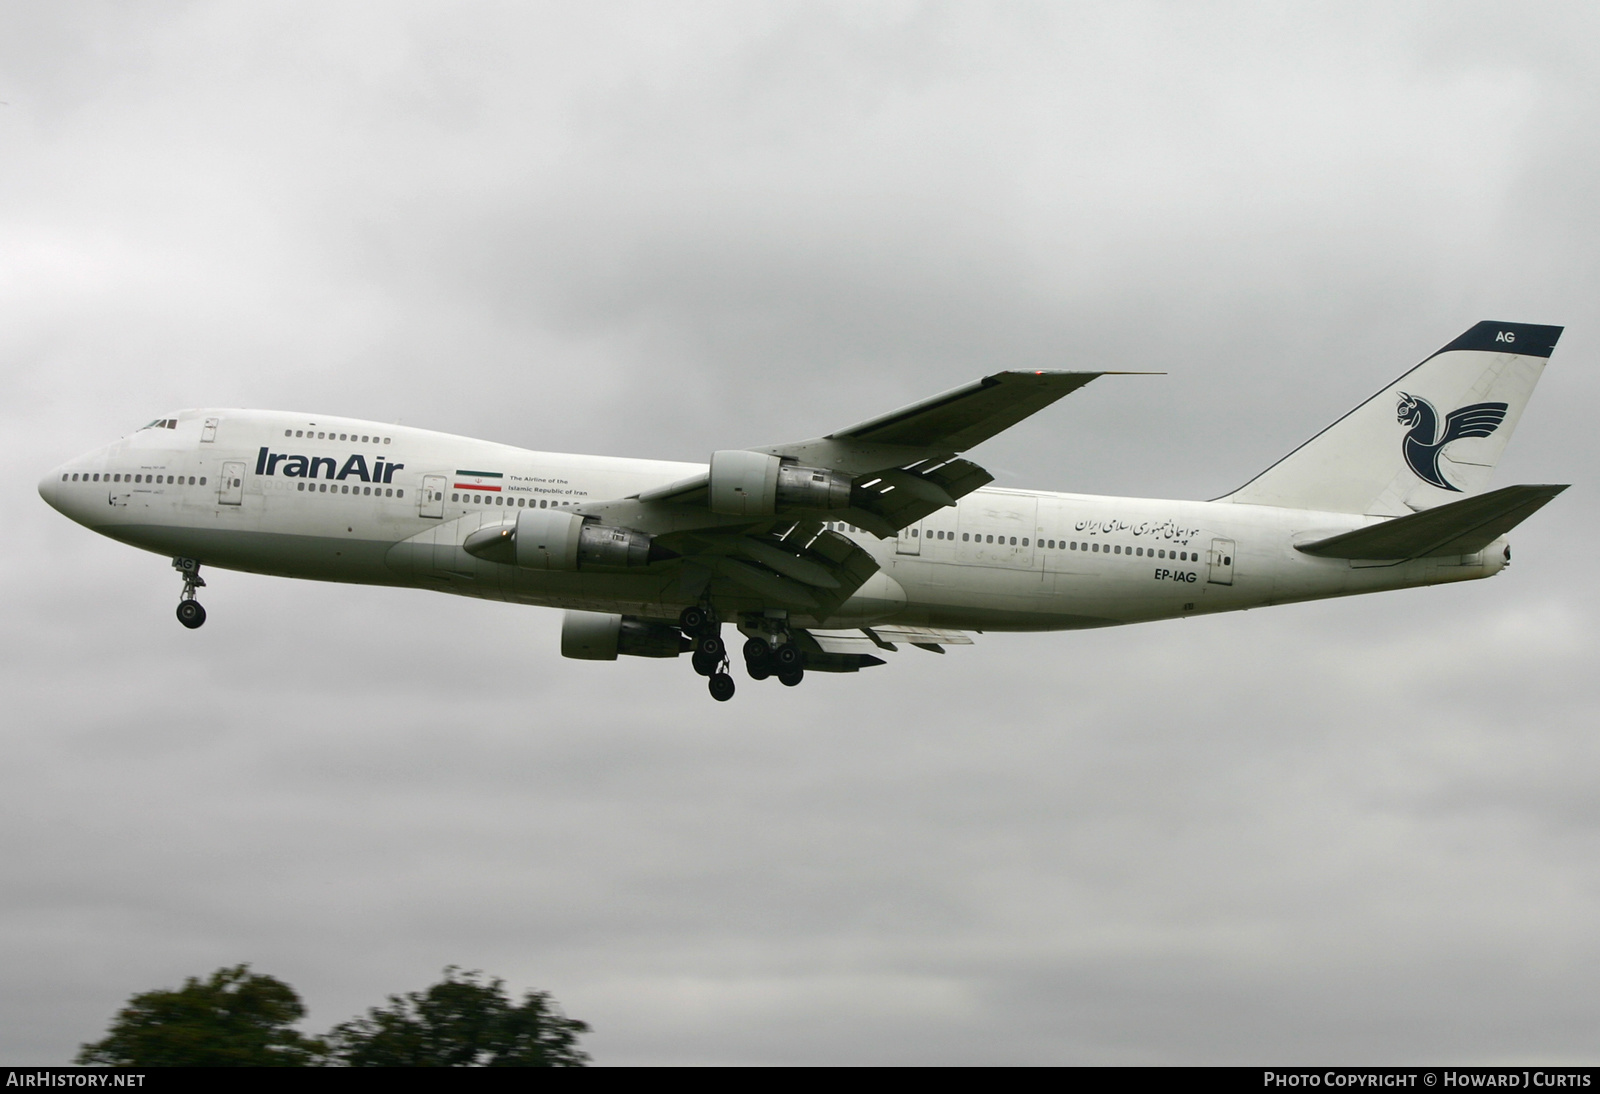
{"points": [[48, 489]]}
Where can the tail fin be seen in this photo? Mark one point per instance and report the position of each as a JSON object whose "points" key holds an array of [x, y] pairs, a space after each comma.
{"points": [[1430, 437]]}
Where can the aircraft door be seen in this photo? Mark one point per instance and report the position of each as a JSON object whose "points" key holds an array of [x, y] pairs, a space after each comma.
{"points": [[431, 501], [909, 541], [1220, 562], [231, 490]]}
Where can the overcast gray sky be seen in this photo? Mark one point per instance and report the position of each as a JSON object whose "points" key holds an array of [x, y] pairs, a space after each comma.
{"points": [[1354, 831]]}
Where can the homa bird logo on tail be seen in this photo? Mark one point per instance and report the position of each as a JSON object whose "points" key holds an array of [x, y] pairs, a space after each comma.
{"points": [[1424, 440]]}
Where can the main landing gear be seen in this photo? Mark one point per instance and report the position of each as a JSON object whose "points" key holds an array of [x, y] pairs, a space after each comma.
{"points": [[773, 653], [710, 657], [763, 659], [190, 613]]}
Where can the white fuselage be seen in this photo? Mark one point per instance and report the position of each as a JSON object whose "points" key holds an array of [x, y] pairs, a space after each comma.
{"points": [[332, 499]]}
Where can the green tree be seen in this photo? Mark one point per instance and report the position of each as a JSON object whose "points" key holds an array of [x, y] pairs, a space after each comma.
{"points": [[237, 1018], [463, 1021]]}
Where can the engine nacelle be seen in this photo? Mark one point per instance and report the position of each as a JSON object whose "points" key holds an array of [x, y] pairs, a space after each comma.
{"points": [[597, 636], [546, 539], [558, 539], [754, 484], [812, 488]]}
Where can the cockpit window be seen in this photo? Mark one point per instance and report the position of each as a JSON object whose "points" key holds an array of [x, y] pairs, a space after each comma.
{"points": [[160, 423]]}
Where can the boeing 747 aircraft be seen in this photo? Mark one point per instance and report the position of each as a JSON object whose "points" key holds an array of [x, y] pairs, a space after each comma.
{"points": [[824, 553]]}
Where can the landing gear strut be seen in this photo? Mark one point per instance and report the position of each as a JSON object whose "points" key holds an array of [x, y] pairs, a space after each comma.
{"points": [[710, 655], [190, 613]]}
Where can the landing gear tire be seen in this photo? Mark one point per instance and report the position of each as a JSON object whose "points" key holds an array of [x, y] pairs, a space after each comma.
{"points": [[758, 670], [191, 614], [791, 677], [710, 645], [693, 620], [706, 665], [787, 656], [756, 649], [721, 687]]}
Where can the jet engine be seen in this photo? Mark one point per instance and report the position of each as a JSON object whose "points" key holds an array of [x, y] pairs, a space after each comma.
{"points": [[754, 484], [558, 539], [596, 636]]}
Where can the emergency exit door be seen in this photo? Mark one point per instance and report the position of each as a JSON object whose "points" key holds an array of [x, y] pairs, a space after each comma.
{"points": [[430, 503], [1220, 562], [230, 491]]}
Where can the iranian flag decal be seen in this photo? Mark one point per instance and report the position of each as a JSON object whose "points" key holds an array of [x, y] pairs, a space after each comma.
{"points": [[478, 480]]}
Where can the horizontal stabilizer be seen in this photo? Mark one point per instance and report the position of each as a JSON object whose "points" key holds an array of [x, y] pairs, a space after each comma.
{"points": [[825, 654], [1459, 528]]}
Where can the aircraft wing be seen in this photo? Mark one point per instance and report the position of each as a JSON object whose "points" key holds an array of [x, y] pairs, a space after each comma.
{"points": [[765, 519], [940, 427]]}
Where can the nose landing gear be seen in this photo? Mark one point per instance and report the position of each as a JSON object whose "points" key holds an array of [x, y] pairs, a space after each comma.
{"points": [[190, 613]]}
